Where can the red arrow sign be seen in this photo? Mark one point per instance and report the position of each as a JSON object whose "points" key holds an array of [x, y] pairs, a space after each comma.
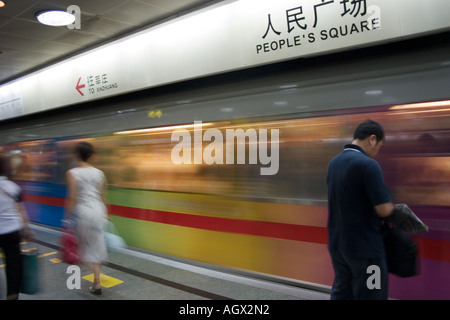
{"points": [[80, 86]]}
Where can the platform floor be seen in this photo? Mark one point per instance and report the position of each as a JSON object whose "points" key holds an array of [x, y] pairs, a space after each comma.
{"points": [[134, 275]]}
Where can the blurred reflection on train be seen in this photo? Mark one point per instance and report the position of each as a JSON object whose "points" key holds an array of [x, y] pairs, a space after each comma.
{"points": [[231, 215], [416, 158]]}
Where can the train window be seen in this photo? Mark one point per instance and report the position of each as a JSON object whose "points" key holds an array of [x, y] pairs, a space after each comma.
{"points": [[142, 158], [34, 161]]}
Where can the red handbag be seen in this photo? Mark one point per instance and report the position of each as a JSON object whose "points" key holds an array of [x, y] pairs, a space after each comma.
{"points": [[70, 247]]}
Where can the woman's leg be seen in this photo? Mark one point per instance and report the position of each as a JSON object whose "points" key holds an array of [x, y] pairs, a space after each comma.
{"points": [[96, 268], [13, 261]]}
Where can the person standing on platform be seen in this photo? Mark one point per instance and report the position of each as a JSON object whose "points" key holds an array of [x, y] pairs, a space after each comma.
{"points": [[358, 199], [86, 199], [13, 226]]}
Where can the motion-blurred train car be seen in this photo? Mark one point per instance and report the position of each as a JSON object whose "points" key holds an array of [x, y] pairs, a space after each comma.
{"points": [[229, 215]]}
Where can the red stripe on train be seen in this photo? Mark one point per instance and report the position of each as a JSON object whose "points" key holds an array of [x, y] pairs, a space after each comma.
{"points": [[250, 227], [429, 248], [433, 249], [51, 201]]}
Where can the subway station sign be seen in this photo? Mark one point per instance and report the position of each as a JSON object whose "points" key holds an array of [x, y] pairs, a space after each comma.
{"points": [[302, 25], [230, 35]]}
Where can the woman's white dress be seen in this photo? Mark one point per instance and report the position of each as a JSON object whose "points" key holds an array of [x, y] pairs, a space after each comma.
{"points": [[91, 213]]}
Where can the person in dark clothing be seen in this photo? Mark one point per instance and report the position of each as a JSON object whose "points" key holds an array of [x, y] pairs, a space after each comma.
{"points": [[358, 199]]}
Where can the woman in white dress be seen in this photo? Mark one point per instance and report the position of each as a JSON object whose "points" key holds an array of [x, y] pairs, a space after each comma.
{"points": [[86, 190]]}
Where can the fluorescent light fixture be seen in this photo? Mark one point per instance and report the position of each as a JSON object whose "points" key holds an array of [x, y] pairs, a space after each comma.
{"points": [[421, 105], [55, 18], [421, 111], [374, 92], [159, 129]]}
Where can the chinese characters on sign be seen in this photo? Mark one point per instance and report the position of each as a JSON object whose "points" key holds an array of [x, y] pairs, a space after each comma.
{"points": [[155, 114], [98, 83], [95, 83], [301, 25]]}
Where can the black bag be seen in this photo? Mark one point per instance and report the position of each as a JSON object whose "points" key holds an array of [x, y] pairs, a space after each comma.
{"points": [[401, 252]]}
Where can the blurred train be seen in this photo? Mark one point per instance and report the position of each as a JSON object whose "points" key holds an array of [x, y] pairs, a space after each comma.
{"points": [[229, 215]]}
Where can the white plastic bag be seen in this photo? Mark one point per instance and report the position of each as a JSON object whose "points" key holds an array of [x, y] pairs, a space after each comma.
{"points": [[114, 241]]}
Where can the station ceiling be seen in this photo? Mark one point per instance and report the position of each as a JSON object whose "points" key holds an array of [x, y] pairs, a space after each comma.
{"points": [[26, 45]]}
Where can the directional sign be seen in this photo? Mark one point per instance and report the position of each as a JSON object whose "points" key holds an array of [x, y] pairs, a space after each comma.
{"points": [[80, 86]]}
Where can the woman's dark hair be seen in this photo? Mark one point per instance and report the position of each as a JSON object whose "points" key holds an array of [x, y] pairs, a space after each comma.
{"points": [[5, 168], [84, 150], [368, 128]]}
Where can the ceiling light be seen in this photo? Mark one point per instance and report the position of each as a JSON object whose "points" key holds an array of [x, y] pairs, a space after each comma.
{"points": [[374, 92], [429, 105], [176, 127], [2, 4], [55, 18]]}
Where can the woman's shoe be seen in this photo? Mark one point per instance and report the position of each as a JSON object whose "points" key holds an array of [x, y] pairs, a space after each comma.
{"points": [[97, 291]]}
